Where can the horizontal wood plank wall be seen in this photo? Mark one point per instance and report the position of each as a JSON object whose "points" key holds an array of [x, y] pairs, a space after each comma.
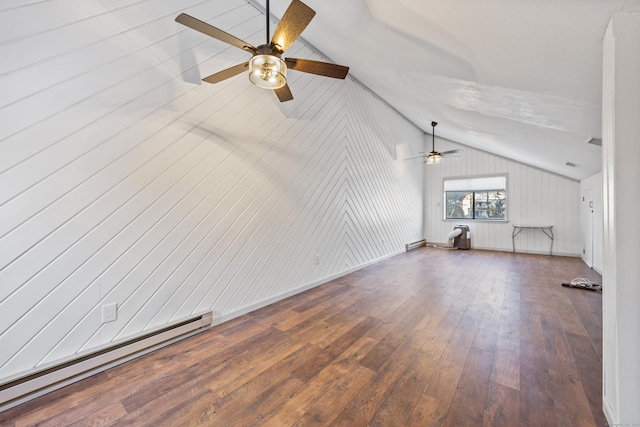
{"points": [[535, 197], [125, 180]]}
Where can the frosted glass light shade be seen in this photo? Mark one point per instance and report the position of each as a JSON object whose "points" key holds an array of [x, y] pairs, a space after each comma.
{"points": [[267, 71], [433, 159]]}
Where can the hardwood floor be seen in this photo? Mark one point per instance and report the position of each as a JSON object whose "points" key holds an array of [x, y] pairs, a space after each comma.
{"points": [[429, 338]]}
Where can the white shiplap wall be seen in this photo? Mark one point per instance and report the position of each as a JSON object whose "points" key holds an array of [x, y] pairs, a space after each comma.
{"points": [[535, 197], [122, 179]]}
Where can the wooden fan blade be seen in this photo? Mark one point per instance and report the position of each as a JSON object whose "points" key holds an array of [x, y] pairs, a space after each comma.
{"points": [[293, 22], [411, 158], [325, 69], [451, 152], [284, 93], [225, 74], [214, 32]]}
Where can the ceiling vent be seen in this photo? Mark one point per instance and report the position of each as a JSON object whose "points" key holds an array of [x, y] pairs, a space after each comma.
{"points": [[595, 141], [573, 165]]}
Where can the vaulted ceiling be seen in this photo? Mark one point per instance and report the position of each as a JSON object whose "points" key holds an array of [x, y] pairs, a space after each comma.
{"points": [[517, 78]]}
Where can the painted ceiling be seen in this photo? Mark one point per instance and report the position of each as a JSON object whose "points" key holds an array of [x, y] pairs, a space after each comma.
{"points": [[518, 78]]}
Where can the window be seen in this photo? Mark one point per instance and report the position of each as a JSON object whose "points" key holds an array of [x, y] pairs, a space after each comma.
{"points": [[483, 198]]}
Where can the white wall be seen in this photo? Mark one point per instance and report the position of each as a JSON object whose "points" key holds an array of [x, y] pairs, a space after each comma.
{"points": [[593, 185], [123, 179], [621, 175], [535, 197]]}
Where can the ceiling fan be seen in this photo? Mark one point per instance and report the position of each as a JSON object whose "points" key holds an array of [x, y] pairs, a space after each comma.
{"points": [[434, 156], [266, 68]]}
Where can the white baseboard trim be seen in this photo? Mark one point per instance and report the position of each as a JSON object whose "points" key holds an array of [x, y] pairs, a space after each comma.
{"points": [[592, 266], [13, 393], [482, 248], [608, 411], [237, 313], [22, 388]]}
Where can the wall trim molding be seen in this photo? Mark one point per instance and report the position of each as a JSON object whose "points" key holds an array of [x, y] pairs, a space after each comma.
{"points": [[237, 313], [608, 411], [480, 248]]}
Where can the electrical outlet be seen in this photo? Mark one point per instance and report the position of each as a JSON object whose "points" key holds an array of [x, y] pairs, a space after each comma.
{"points": [[316, 259], [109, 312]]}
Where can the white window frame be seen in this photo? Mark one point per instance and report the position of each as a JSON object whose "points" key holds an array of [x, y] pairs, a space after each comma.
{"points": [[474, 184]]}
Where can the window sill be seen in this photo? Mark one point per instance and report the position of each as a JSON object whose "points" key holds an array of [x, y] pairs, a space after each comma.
{"points": [[462, 220]]}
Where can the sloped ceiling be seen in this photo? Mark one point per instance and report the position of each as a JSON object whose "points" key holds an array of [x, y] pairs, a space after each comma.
{"points": [[517, 78]]}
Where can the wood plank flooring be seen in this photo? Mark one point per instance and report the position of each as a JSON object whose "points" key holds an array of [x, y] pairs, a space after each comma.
{"points": [[429, 338]]}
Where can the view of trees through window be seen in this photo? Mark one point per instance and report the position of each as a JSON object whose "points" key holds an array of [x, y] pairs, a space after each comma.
{"points": [[485, 204]]}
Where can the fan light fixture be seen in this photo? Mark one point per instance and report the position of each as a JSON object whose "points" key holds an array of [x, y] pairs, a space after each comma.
{"points": [[432, 159], [267, 71], [267, 68]]}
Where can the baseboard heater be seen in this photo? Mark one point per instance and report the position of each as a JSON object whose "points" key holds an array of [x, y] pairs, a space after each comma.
{"points": [[23, 387], [415, 245]]}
